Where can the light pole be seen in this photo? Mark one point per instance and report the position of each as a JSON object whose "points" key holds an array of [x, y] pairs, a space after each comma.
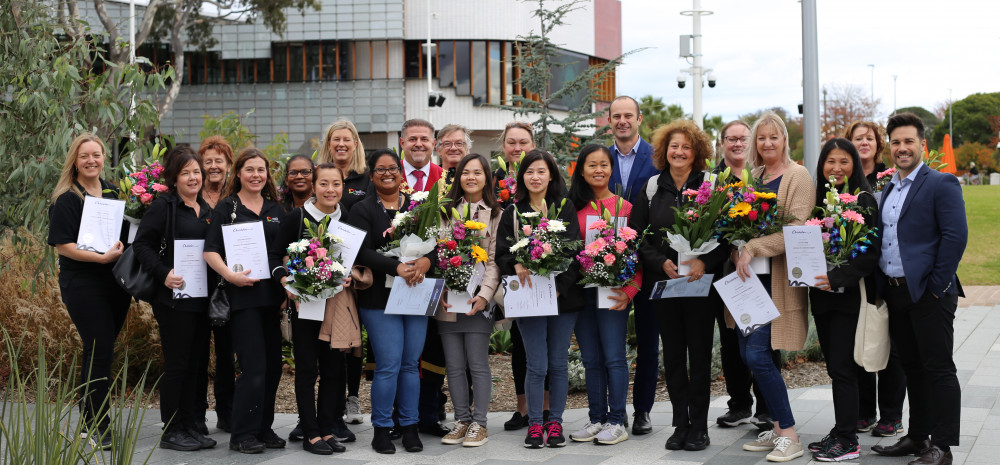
{"points": [[810, 86], [873, 81], [894, 76], [696, 71], [950, 119]]}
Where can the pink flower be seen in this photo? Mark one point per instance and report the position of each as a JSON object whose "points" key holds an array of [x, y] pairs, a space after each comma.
{"points": [[704, 193], [388, 232], [159, 187], [828, 222], [749, 197], [609, 259], [138, 190], [826, 237], [593, 248], [458, 232], [689, 192], [536, 253], [598, 225], [546, 248], [620, 246], [146, 199], [526, 229], [888, 172], [848, 198], [814, 222], [309, 262], [320, 253], [455, 261], [627, 233], [852, 215]]}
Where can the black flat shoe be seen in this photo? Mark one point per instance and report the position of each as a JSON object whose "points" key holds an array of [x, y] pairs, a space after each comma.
{"points": [[203, 440], [411, 440], [179, 440], [341, 432], [381, 442], [297, 434], [435, 429], [904, 446], [335, 445], [271, 440], [319, 447], [641, 424], [676, 440], [249, 446], [516, 422], [697, 440]]}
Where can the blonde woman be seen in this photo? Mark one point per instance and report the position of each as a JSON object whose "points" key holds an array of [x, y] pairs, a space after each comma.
{"points": [[342, 146], [93, 299]]}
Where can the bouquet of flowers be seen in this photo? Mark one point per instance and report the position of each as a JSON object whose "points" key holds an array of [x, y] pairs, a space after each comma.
{"points": [[414, 231], [314, 273], [845, 234], [458, 253], [507, 187], [693, 232], [612, 259], [543, 249], [752, 212], [882, 179]]}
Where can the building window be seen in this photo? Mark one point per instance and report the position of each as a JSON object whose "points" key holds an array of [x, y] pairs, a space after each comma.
{"points": [[446, 63], [296, 63], [479, 66], [495, 79], [230, 74], [279, 63], [567, 66], [413, 59], [213, 68], [313, 70], [347, 61], [362, 60], [330, 61], [463, 68]]}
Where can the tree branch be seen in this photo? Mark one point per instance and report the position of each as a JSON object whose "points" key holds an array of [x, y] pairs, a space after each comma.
{"points": [[115, 51], [146, 25]]}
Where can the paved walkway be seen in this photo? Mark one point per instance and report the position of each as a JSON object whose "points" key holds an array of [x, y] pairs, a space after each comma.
{"points": [[977, 355]]}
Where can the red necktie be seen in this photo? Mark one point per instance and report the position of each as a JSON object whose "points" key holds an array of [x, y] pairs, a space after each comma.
{"points": [[420, 180]]}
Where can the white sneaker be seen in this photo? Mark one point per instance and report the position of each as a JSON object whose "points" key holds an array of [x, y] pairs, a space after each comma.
{"points": [[785, 449], [588, 432], [353, 415], [611, 434]]}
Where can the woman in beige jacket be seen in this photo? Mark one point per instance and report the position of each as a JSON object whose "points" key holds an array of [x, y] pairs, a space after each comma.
{"points": [[769, 153]]}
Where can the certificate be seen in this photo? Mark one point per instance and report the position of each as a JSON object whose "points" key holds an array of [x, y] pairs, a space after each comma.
{"points": [[478, 273], [100, 224], [680, 287], [592, 233], [421, 299], [189, 264], [353, 237], [246, 248], [804, 255], [747, 301], [537, 300]]}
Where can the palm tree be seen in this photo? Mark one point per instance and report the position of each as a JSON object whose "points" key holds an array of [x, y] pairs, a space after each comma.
{"points": [[655, 113]]}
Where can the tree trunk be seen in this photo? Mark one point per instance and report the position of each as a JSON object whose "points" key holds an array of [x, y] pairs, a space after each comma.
{"points": [[177, 45]]}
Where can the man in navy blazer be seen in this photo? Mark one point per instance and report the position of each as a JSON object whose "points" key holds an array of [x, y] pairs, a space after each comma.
{"points": [[924, 232], [633, 166], [633, 162]]}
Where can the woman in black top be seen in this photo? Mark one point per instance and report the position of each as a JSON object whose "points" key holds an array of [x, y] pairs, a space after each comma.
{"points": [[686, 325], [342, 146], [836, 314], [546, 338], [250, 197], [397, 340], [297, 186], [179, 214], [95, 302], [869, 138]]}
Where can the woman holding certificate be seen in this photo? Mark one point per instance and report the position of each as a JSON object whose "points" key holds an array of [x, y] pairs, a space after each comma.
{"points": [[245, 227], [465, 337], [170, 244], [772, 164], [681, 150], [95, 302], [539, 199], [836, 312], [397, 340]]}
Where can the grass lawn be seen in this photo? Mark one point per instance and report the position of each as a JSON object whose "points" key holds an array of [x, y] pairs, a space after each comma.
{"points": [[981, 263]]}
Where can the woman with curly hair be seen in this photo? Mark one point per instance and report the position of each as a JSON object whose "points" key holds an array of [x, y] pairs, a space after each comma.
{"points": [[681, 150]]}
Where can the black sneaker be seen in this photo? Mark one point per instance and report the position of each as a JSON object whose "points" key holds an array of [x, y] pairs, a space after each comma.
{"points": [[341, 433], [839, 451], [99, 437], [297, 434], [249, 446], [179, 439], [434, 429], [516, 422], [822, 444], [888, 428], [271, 439], [866, 424], [223, 424], [203, 440], [763, 422], [734, 418], [554, 434], [201, 427], [535, 438]]}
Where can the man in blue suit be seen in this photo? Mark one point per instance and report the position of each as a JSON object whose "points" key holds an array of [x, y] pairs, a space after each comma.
{"points": [[924, 233], [633, 166]]}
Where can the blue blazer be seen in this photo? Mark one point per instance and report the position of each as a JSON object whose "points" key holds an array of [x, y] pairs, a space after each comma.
{"points": [[642, 170], [932, 233]]}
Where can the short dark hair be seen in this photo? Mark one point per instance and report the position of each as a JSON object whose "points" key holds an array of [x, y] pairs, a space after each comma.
{"points": [[416, 122], [174, 162], [556, 188], [905, 119], [856, 180], [379, 154], [580, 193], [325, 166]]}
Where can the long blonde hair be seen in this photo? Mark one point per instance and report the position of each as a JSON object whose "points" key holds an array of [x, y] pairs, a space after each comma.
{"points": [[768, 119], [357, 164], [67, 178]]}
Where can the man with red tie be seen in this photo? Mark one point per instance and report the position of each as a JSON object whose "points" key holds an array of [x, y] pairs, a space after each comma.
{"points": [[417, 141]]}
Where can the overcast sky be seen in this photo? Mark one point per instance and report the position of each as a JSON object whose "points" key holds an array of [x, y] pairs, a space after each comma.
{"points": [[755, 48]]}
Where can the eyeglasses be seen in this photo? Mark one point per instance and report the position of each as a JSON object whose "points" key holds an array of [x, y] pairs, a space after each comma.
{"points": [[457, 145], [294, 173], [742, 140], [390, 170]]}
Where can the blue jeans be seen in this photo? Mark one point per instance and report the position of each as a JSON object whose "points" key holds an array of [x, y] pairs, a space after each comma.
{"points": [[756, 352], [546, 346], [397, 341], [601, 335]]}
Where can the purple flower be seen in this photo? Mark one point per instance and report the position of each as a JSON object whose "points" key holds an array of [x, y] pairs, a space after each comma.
{"points": [[458, 232], [536, 253]]}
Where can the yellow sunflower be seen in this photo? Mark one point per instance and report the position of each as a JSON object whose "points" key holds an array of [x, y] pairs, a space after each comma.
{"points": [[479, 253], [766, 195], [474, 225], [740, 209]]}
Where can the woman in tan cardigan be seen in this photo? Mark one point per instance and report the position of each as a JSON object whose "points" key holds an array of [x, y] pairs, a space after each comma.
{"points": [[769, 154]]}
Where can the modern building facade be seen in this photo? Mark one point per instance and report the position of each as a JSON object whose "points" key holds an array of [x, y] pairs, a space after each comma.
{"points": [[366, 61]]}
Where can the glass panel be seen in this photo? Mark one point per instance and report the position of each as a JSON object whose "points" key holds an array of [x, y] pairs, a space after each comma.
{"points": [[229, 71], [379, 68], [279, 60], [214, 66], [479, 66], [463, 84], [508, 67], [263, 70], [496, 80], [329, 61], [197, 68], [446, 63], [346, 56], [295, 62], [312, 61], [411, 59], [566, 66], [363, 60], [246, 71]]}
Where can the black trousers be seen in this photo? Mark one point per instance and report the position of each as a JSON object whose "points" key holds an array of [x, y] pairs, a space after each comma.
{"points": [[182, 337], [353, 373], [98, 307], [224, 381], [257, 342], [647, 353], [890, 386], [686, 327], [836, 338], [313, 358], [739, 380], [924, 333]]}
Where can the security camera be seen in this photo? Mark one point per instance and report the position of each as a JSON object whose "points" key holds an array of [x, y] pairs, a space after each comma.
{"points": [[711, 79], [681, 80]]}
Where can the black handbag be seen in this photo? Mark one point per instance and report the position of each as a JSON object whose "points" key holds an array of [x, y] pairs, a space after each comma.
{"points": [[218, 305], [131, 276]]}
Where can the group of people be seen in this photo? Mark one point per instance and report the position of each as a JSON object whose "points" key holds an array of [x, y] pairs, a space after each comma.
{"points": [[911, 265]]}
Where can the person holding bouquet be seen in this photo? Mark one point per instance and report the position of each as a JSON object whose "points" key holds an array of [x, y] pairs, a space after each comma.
{"points": [[681, 150], [773, 167], [466, 336], [601, 327], [397, 340], [540, 198], [843, 198]]}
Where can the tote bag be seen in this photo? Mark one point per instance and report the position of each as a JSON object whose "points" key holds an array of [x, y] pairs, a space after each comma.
{"points": [[871, 339]]}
